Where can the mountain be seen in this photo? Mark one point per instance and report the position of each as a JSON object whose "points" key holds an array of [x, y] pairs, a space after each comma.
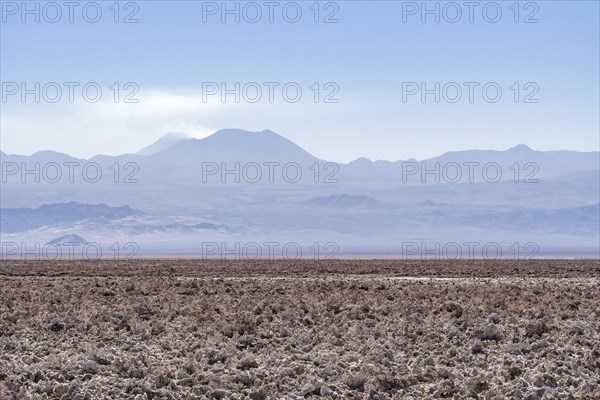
{"points": [[366, 208], [101, 222], [518, 163], [23, 219], [163, 143], [230, 156], [69, 240], [45, 156], [236, 145], [583, 221], [547, 163], [345, 202], [176, 157]]}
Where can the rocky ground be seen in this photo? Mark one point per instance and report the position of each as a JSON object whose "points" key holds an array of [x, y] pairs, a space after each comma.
{"points": [[287, 330]]}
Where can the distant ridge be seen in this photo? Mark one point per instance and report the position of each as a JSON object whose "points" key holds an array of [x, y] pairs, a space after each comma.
{"points": [[345, 201], [241, 145], [20, 219], [69, 240], [236, 145], [163, 143]]}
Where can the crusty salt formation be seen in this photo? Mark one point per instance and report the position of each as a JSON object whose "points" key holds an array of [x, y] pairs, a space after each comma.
{"points": [[275, 330]]}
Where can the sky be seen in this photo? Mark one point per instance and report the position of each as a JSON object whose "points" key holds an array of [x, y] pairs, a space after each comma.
{"points": [[361, 68]]}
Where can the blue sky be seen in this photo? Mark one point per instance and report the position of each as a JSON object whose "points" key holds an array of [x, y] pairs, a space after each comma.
{"points": [[368, 54]]}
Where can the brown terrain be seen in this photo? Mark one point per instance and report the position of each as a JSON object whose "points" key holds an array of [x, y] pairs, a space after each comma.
{"points": [[175, 329]]}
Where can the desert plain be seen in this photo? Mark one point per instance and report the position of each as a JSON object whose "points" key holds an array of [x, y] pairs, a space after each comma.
{"points": [[337, 329]]}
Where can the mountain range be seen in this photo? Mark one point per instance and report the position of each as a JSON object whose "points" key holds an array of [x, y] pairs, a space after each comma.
{"points": [[240, 187]]}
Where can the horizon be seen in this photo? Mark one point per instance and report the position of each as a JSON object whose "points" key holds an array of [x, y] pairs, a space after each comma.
{"points": [[171, 134]]}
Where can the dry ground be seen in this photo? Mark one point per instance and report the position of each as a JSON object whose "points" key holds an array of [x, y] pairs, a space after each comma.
{"points": [[278, 330]]}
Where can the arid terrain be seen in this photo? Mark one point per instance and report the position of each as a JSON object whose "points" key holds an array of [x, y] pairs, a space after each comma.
{"points": [[174, 329]]}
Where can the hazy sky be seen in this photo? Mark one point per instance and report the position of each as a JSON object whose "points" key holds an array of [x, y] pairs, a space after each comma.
{"points": [[372, 57]]}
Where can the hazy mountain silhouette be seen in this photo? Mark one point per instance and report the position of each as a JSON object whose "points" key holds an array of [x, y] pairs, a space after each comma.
{"points": [[370, 208], [344, 202], [23, 219], [235, 145], [163, 143], [69, 240]]}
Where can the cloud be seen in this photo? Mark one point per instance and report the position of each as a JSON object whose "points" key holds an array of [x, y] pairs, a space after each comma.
{"points": [[85, 129]]}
